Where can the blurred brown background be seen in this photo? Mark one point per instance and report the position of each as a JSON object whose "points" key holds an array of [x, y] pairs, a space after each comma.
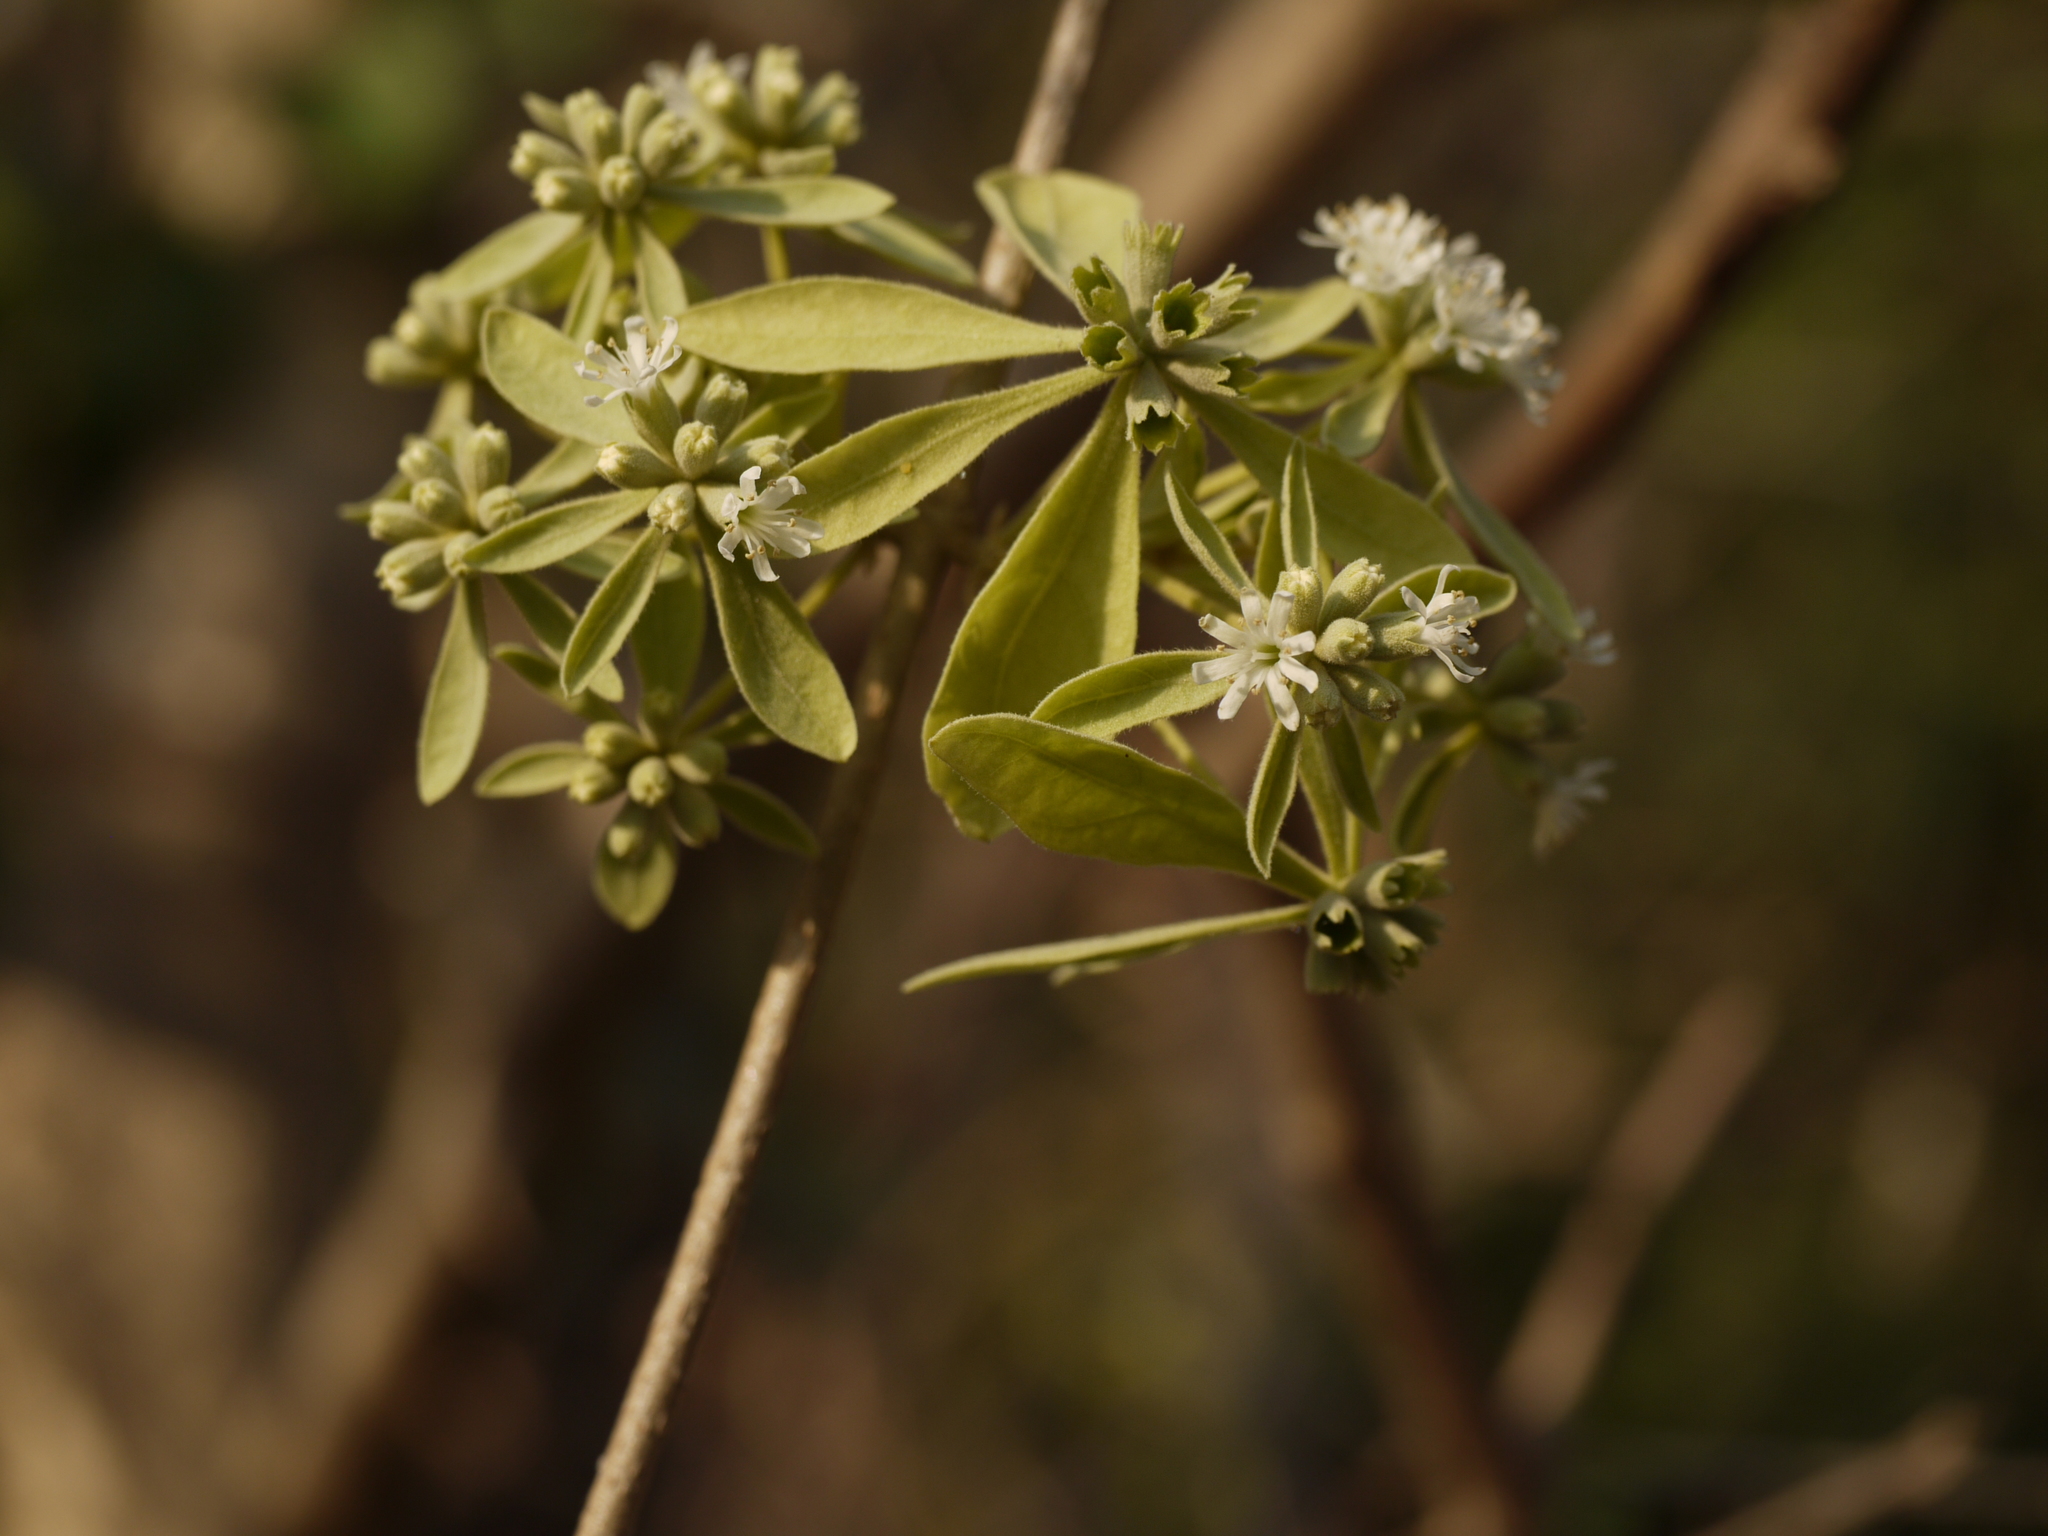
{"points": [[342, 1145]]}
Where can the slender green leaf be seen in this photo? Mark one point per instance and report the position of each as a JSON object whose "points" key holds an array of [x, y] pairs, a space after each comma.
{"points": [[501, 259], [1205, 540], [1271, 559], [1090, 957], [1288, 319], [533, 366], [868, 480], [667, 645], [596, 562], [783, 672], [636, 867], [457, 694], [1494, 592], [1293, 393], [788, 416], [543, 674], [613, 611], [1060, 219], [810, 202], [895, 238], [1358, 513], [763, 817], [1154, 685], [1063, 601], [1272, 794], [552, 620], [593, 289], [1325, 804], [559, 471], [662, 290], [1348, 770], [1355, 427], [1423, 795], [541, 769], [1297, 510], [557, 532], [829, 324]]}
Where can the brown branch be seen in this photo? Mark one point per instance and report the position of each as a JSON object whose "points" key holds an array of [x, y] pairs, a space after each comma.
{"points": [[628, 1459], [1774, 149], [1658, 1143], [1912, 1470]]}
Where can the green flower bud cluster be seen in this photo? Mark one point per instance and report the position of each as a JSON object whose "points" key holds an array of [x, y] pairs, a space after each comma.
{"points": [[677, 456], [1348, 646], [1161, 336], [588, 156], [1372, 931], [432, 341], [760, 116], [445, 498]]}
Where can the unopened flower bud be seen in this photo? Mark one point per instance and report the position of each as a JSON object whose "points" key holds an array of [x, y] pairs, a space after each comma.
{"points": [[565, 191], [497, 507], [390, 364], [440, 502], [1351, 589], [627, 836], [642, 102], [593, 125], [533, 153], [699, 761], [839, 123], [412, 568], [621, 182], [1374, 696], [814, 160], [594, 783], [613, 744], [1398, 944], [455, 549], [654, 413], [650, 781], [1346, 643], [424, 460], [696, 815], [1401, 883], [395, 522], [778, 88], [631, 467], [663, 144], [720, 95], [486, 459], [1305, 616], [416, 332], [1522, 718], [771, 454], [722, 403], [673, 507], [696, 449]]}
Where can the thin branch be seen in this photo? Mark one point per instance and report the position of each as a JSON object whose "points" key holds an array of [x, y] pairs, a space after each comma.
{"points": [[1659, 1142], [1912, 1470], [628, 1460], [1774, 149]]}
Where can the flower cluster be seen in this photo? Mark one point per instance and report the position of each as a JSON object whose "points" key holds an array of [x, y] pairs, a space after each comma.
{"points": [[583, 155], [759, 116], [1262, 655]]}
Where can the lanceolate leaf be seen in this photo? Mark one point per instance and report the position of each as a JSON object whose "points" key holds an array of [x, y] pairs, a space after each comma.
{"points": [[543, 674], [1339, 744], [1291, 393], [533, 366], [593, 289], [1077, 794], [763, 817], [541, 769], [667, 643], [1493, 592], [1063, 602], [1205, 539], [807, 201], [1423, 795], [453, 721], [1061, 219], [1272, 794], [896, 239], [869, 479], [789, 416], [552, 620], [556, 533], [783, 673], [826, 324], [1288, 319], [1125, 694], [1355, 427], [1091, 957], [1297, 510], [501, 259], [662, 291], [564, 467], [1359, 514], [614, 610], [634, 885]]}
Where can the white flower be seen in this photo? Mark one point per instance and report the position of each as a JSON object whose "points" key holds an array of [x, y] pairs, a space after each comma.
{"points": [[755, 518], [1381, 247], [1562, 806], [1261, 655], [1483, 324], [1447, 625], [634, 370], [1595, 650]]}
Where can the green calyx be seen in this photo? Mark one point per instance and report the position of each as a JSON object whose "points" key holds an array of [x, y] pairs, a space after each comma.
{"points": [[445, 498], [587, 155], [761, 116]]}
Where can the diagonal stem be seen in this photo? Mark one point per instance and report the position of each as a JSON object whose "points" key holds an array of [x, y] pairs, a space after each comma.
{"points": [[628, 1460]]}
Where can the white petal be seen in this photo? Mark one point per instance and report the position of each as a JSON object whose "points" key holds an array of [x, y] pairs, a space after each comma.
{"points": [[1294, 645], [1283, 702], [1415, 604], [762, 568], [1233, 701], [1296, 672], [1217, 668], [730, 542]]}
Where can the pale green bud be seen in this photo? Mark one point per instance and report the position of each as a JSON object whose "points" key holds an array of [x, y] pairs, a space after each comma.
{"points": [[664, 144], [497, 507], [417, 333], [1402, 882], [1307, 589], [594, 783], [722, 403], [778, 89], [593, 125], [425, 460], [696, 815], [632, 468], [1522, 718], [613, 744], [813, 160], [654, 412], [1352, 589], [673, 507], [533, 153], [486, 459], [396, 522], [1374, 696], [696, 449], [699, 761], [454, 551], [772, 454], [440, 502], [390, 364], [412, 568], [625, 837], [621, 182], [1324, 706], [650, 781], [565, 191], [1346, 643], [639, 108], [546, 115]]}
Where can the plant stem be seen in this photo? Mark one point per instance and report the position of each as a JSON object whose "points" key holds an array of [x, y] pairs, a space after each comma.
{"points": [[774, 254], [623, 1471]]}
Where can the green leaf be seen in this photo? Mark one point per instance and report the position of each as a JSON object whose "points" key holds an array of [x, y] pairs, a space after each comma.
{"points": [[453, 721], [1325, 804], [1355, 427], [829, 324], [597, 561], [1339, 745], [807, 201], [1272, 794], [763, 817], [593, 289], [788, 416], [1493, 592], [1288, 319], [634, 886], [552, 620], [533, 366], [501, 259], [1091, 957], [541, 769], [870, 479], [1154, 685], [1358, 513], [1297, 511], [559, 471], [1061, 219], [543, 674], [1423, 795], [1294, 393], [660, 280], [1081, 795], [1271, 558], [1205, 539], [614, 609], [1063, 601], [557, 532], [895, 238], [783, 672], [668, 642]]}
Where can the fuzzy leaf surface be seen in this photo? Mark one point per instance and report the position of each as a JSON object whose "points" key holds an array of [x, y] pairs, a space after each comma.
{"points": [[553, 621], [783, 672], [613, 611], [662, 289], [1061, 219], [457, 694], [1091, 957], [1272, 794], [1154, 685], [501, 259], [533, 366], [810, 202], [635, 887], [557, 472], [1288, 319], [895, 238], [1205, 540], [540, 769], [763, 817], [557, 532], [668, 643]]}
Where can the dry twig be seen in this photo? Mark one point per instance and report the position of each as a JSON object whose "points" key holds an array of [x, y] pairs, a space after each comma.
{"points": [[1919, 1465]]}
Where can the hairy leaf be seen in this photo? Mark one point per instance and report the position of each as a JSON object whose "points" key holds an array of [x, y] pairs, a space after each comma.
{"points": [[541, 769], [662, 290], [895, 238], [552, 620], [1061, 219], [805, 201], [1154, 685], [667, 645], [1339, 745], [1292, 393], [613, 611], [634, 886], [457, 694], [763, 817], [783, 672], [585, 314], [1288, 319], [1090, 957], [559, 471], [1272, 794], [533, 366], [1494, 592], [1297, 510], [556, 532], [1355, 427], [501, 259]]}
